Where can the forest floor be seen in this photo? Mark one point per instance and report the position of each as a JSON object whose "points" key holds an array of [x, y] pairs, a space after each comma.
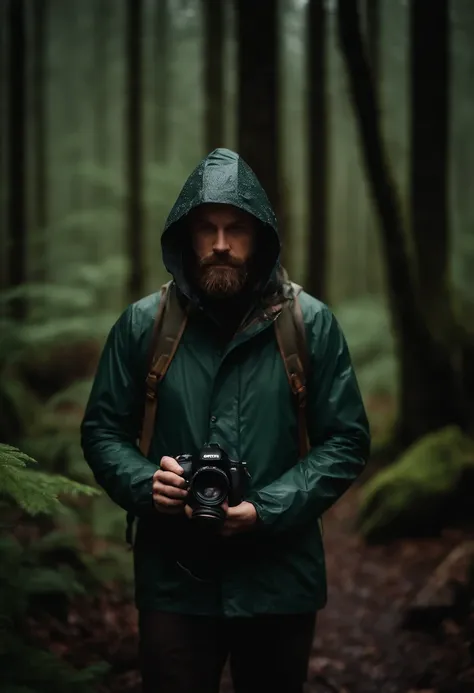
{"points": [[360, 644]]}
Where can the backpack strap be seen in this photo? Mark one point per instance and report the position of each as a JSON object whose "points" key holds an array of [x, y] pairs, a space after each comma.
{"points": [[291, 338], [168, 328], [170, 322]]}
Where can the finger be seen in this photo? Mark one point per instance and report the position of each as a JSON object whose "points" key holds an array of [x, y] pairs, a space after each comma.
{"points": [[171, 510], [188, 510], [169, 491], [165, 502], [170, 479], [233, 513], [169, 464]]}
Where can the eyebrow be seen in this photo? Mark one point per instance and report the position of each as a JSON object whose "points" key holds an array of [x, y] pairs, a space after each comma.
{"points": [[232, 222]]}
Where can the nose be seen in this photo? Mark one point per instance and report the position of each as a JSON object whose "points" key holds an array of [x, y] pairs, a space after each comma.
{"points": [[221, 244]]}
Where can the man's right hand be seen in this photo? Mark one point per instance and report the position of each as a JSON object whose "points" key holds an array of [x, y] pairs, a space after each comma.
{"points": [[169, 487]]}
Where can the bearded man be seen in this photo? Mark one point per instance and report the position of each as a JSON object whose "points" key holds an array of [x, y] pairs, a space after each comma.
{"points": [[252, 593]]}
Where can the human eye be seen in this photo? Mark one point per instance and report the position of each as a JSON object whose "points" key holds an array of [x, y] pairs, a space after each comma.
{"points": [[238, 227], [204, 226]]}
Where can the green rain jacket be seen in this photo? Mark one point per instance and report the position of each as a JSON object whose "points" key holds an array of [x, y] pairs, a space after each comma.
{"points": [[235, 394]]}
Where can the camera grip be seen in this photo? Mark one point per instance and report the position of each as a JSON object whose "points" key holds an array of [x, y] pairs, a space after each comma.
{"points": [[186, 462], [236, 490]]}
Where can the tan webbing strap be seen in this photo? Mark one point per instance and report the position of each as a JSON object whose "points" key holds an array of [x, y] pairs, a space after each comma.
{"points": [[170, 323], [291, 338], [289, 330]]}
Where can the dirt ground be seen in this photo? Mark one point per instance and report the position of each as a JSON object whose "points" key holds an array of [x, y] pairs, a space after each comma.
{"points": [[359, 646]]}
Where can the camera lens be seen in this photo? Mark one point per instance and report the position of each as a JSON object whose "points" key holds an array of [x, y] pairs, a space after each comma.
{"points": [[210, 486]]}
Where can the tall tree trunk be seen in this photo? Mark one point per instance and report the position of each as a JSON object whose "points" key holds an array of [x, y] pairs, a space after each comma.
{"points": [[258, 94], [16, 208], [372, 19], [429, 57], [213, 13], [4, 189], [316, 273], [40, 138], [372, 26], [134, 151], [430, 396], [162, 96]]}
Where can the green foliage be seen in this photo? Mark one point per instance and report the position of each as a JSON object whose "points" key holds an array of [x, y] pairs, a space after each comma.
{"points": [[24, 575], [35, 492], [414, 493], [47, 363], [79, 293], [366, 325], [49, 565], [27, 669]]}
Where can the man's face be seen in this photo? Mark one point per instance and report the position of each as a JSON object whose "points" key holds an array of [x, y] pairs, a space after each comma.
{"points": [[223, 239]]}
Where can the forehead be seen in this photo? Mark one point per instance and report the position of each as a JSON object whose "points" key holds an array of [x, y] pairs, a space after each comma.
{"points": [[220, 214]]}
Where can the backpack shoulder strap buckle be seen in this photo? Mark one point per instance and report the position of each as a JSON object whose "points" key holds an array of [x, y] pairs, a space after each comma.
{"points": [[299, 388], [151, 383]]}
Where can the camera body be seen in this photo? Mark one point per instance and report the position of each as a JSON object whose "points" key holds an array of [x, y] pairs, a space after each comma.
{"points": [[213, 478]]}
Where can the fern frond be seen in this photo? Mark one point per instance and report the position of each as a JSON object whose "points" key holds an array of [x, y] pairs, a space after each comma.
{"points": [[39, 580], [35, 492], [11, 456], [52, 294]]}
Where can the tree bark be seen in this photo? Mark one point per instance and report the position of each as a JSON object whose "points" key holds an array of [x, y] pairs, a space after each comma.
{"points": [[430, 394], [258, 94], [134, 153], [40, 138], [316, 282], [372, 21], [3, 143], [213, 13], [429, 161], [374, 283], [162, 97], [16, 205]]}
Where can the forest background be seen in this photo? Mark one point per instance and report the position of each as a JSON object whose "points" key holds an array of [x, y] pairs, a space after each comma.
{"points": [[357, 118]]}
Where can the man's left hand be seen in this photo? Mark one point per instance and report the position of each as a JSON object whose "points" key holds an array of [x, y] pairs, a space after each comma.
{"points": [[239, 518]]}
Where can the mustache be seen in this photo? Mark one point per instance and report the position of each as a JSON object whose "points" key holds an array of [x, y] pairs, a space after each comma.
{"points": [[214, 260]]}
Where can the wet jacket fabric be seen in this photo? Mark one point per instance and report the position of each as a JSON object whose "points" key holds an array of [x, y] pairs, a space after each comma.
{"points": [[234, 393]]}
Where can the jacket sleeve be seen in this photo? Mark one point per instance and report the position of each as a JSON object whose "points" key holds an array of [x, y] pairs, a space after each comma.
{"points": [[112, 420], [338, 430]]}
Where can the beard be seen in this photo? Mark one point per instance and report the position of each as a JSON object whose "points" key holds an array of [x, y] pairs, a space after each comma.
{"points": [[221, 278]]}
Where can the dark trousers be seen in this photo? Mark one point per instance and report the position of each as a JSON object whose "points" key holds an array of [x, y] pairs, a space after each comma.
{"points": [[186, 654]]}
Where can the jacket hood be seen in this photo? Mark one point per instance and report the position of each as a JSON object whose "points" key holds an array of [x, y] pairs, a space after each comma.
{"points": [[223, 177]]}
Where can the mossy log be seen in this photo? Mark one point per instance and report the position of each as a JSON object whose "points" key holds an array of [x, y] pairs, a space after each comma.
{"points": [[425, 490]]}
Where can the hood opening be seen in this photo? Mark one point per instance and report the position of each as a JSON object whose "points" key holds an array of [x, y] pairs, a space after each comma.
{"points": [[223, 177]]}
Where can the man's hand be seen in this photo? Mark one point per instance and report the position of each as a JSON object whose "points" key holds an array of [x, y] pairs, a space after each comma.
{"points": [[169, 494], [239, 518]]}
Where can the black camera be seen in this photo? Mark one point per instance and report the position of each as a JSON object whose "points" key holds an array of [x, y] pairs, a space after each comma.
{"points": [[213, 478]]}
